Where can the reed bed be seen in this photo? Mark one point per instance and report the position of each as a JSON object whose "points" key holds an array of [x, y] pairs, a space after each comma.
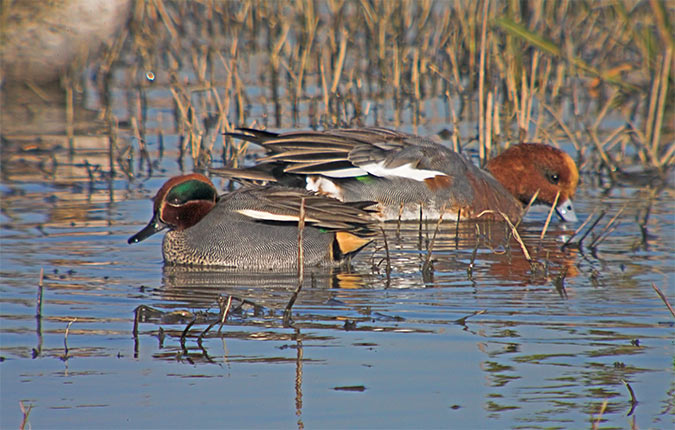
{"points": [[591, 75], [595, 74]]}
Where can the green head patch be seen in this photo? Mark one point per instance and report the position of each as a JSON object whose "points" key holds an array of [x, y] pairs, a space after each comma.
{"points": [[190, 191]]}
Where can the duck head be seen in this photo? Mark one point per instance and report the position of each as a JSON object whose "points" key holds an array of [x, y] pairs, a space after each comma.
{"points": [[181, 203], [527, 168]]}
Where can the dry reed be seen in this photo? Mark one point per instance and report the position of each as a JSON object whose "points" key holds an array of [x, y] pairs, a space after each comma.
{"points": [[511, 65]]}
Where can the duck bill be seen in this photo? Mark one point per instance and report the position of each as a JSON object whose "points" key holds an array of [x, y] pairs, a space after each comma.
{"points": [[565, 211], [154, 226]]}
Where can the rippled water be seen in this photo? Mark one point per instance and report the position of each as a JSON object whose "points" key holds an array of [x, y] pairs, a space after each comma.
{"points": [[478, 341], [478, 338]]}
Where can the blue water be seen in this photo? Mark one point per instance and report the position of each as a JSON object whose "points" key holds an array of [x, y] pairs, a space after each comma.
{"points": [[481, 341], [365, 350]]}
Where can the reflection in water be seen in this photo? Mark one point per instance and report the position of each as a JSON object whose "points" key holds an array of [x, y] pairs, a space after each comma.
{"points": [[480, 336], [336, 298], [201, 286], [340, 300], [455, 250], [478, 249], [298, 377], [482, 308], [84, 164], [259, 298]]}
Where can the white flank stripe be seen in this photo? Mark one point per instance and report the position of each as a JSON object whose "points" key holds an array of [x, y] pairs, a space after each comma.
{"points": [[345, 173], [252, 213], [404, 171]]}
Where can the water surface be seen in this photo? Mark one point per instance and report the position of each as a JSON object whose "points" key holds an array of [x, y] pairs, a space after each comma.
{"points": [[497, 346], [479, 338]]}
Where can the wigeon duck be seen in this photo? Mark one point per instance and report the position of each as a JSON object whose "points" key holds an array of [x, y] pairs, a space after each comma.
{"points": [[253, 227], [410, 175]]}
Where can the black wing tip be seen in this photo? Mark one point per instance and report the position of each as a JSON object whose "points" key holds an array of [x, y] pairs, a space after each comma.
{"points": [[248, 133]]}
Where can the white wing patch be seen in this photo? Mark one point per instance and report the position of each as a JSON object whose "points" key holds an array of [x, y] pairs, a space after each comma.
{"points": [[325, 186], [269, 216], [404, 171]]}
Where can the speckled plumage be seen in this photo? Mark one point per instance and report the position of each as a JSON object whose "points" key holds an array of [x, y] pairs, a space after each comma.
{"points": [[405, 173], [232, 233]]}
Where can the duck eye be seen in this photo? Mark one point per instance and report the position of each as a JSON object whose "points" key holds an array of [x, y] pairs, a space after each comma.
{"points": [[554, 178]]}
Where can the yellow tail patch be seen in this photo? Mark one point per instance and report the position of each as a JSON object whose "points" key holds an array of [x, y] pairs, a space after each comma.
{"points": [[349, 281], [349, 242]]}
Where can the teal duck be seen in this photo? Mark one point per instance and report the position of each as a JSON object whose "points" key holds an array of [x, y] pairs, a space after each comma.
{"points": [[253, 227]]}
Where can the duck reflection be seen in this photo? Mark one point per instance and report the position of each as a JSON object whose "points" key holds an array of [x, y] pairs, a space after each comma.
{"points": [[251, 304], [194, 300], [205, 303], [466, 252], [201, 287], [483, 250]]}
